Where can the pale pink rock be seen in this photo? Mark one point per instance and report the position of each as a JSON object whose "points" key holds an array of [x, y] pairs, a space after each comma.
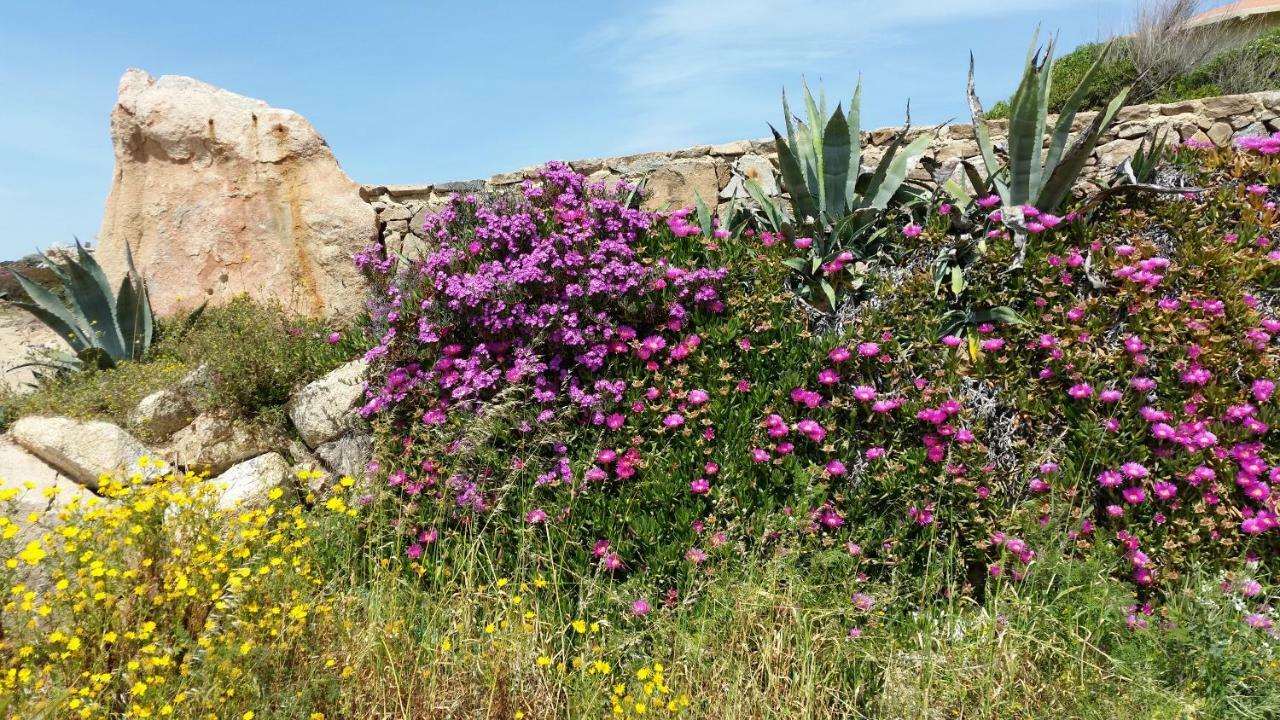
{"points": [[218, 194]]}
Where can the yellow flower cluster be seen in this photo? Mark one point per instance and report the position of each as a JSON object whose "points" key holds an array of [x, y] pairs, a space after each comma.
{"points": [[152, 601], [649, 692]]}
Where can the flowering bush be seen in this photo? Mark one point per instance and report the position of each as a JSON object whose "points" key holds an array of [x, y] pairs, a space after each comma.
{"points": [[550, 371]]}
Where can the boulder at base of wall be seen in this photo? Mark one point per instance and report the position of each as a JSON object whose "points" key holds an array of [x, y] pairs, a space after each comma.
{"points": [[325, 408], [38, 489]]}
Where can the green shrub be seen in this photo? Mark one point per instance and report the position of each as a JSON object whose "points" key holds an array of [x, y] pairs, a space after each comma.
{"points": [[256, 355], [1251, 67]]}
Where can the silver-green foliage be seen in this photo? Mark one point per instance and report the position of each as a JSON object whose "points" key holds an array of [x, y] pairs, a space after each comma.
{"points": [[1033, 174], [833, 202], [102, 328], [820, 163]]}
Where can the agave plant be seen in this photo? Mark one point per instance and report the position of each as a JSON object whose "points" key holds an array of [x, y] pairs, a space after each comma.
{"points": [[102, 328], [833, 203], [1033, 175]]}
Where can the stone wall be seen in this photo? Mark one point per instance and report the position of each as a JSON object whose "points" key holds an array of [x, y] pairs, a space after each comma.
{"points": [[716, 172]]}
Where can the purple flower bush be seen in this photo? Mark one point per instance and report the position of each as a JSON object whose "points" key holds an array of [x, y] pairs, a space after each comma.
{"points": [[538, 293], [644, 395]]}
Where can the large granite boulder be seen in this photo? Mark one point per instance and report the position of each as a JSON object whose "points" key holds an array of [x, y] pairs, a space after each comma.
{"points": [[218, 194], [81, 450], [216, 440]]}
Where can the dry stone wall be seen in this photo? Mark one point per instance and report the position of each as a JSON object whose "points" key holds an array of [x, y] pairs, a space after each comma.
{"points": [[717, 172]]}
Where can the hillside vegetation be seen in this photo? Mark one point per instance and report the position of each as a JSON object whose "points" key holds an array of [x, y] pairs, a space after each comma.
{"points": [[877, 449]]}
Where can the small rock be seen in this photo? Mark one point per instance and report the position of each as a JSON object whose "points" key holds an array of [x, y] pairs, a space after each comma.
{"points": [[1131, 130], [1220, 134], [413, 248], [324, 409], [393, 242], [247, 483], [750, 167], [1227, 106], [1179, 108], [395, 212], [675, 184], [348, 455], [1255, 129], [738, 147], [162, 413], [81, 450], [1116, 152], [215, 441], [420, 217]]}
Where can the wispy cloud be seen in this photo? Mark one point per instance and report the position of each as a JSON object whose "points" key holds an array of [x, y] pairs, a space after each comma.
{"points": [[686, 65]]}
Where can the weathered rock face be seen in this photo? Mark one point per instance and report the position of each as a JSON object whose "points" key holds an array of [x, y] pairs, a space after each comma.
{"points": [[324, 409], [80, 450], [41, 489], [247, 483], [215, 441], [218, 194], [348, 455]]}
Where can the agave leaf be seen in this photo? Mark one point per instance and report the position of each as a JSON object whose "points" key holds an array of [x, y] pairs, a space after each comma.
{"points": [[979, 183], [95, 271], [1098, 197], [1044, 76], [767, 205], [957, 191], [1067, 115], [793, 180], [1064, 175], [957, 280], [854, 121], [830, 292], [55, 268], [92, 297], [816, 141], [51, 311], [835, 164], [800, 265], [808, 163], [144, 314], [1025, 109], [982, 135], [636, 189], [129, 318], [893, 171], [704, 215], [1002, 313]]}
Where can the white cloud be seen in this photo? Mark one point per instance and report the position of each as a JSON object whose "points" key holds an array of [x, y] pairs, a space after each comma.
{"points": [[684, 65]]}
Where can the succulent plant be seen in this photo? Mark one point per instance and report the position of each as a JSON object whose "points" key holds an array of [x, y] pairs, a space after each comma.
{"points": [[1035, 175], [832, 201], [102, 328]]}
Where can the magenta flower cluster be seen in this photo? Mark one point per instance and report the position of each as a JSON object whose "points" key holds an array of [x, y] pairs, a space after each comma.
{"points": [[541, 291]]}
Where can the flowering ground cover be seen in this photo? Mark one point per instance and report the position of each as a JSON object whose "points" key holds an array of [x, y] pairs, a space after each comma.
{"points": [[623, 470]]}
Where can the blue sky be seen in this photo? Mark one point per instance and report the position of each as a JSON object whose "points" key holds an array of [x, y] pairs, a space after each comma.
{"points": [[431, 91]]}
